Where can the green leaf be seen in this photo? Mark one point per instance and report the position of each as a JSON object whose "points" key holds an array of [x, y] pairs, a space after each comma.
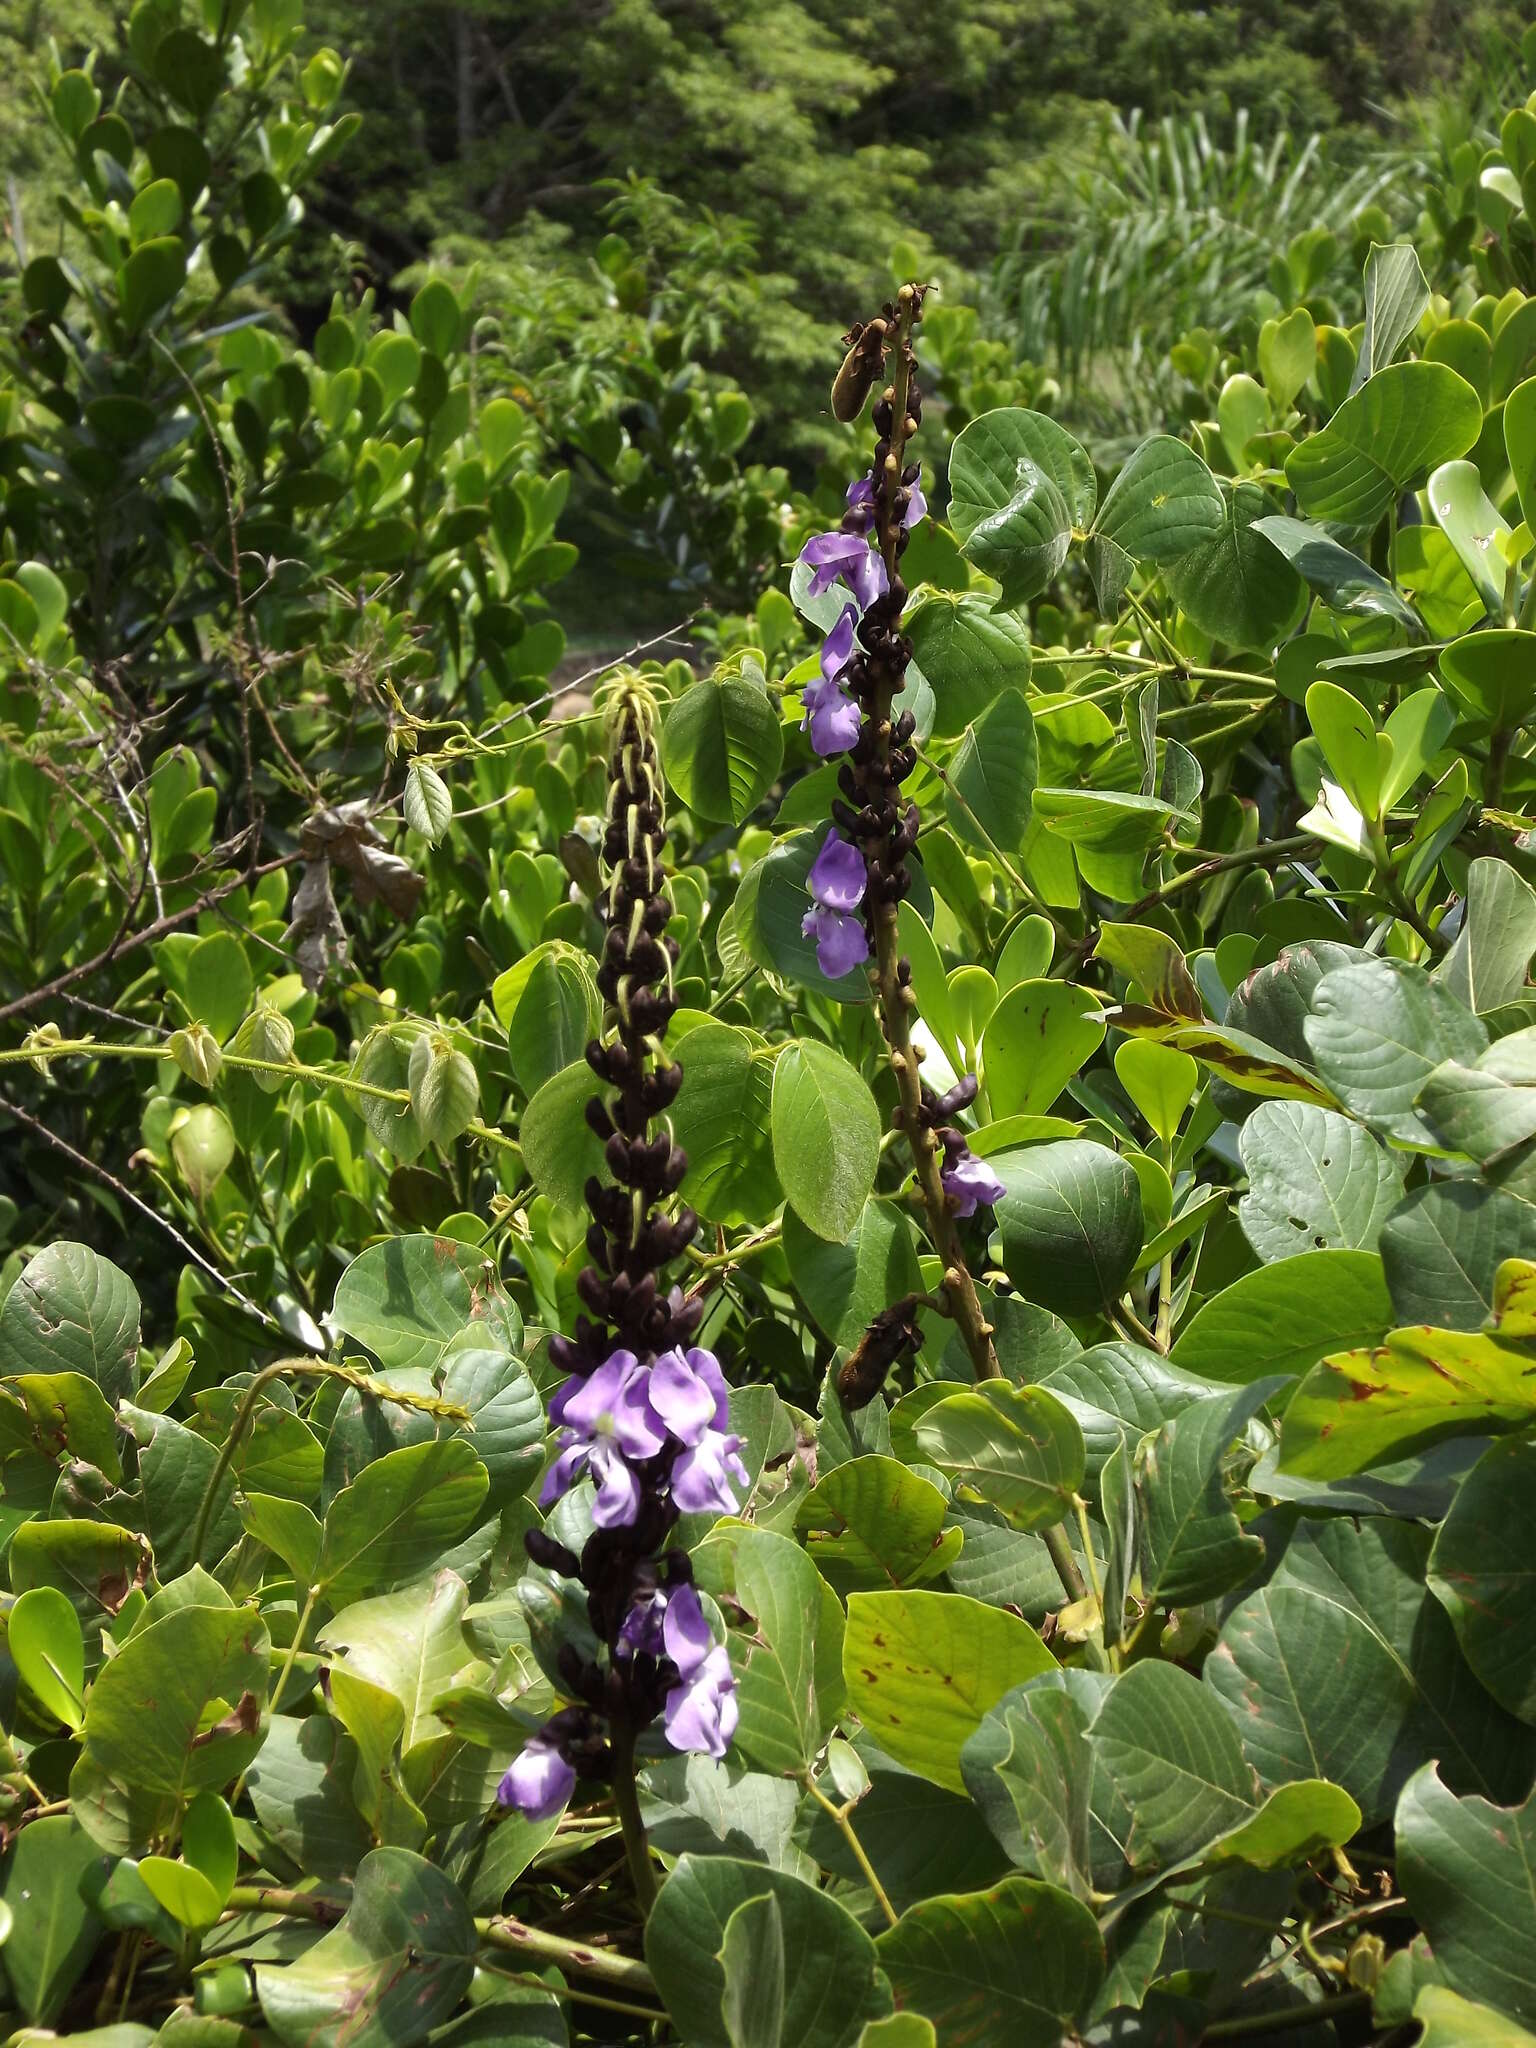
{"points": [[1017, 1449], [1339, 577], [751, 1960], [1160, 1080], [1491, 676], [1347, 736], [383, 1061], [1444, 1246], [1468, 1870], [181, 1708], [436, 319], [789, 1686], [1453, 2022], [548, 1005], [190, 69], [1472, 524], [183, 1892], [721, 745], [1316, 1181], [396, 1515], [1233, 584], [44, 1639], [1174, 1755], [1406, 420], [560, 1149], [1071, 1223], [1487, 964], [396, 1965], [69, 1413], [1006, 1968], [1110, 831], [428, 801], [1193, 1545], [722, 1120], [969, 653], [445, 1091], [1396, 295], [1040, 1035], [409, 1297], [832, 1985], [922, 1668], [1018, 485], [409, 1645], [1286, 1316], [52, 1931], [1483, 1572], [826, 1137], [1520, 444], [1030, 1770], [73, 1311], [1295, 1823], [150, 279], [770, 910], [1377, 1030], [1287, 355], [871, 1523], [1164, 503], [845, 1285], [993, 776], [1343, 1667]]}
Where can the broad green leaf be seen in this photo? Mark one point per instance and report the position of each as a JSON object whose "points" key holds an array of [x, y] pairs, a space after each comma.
{"points": [[1019, 484], [409, 1297], [1017, 1449], [1242, 410], [993, 775], [1316, 1181], [506, 1419], [549, 1006], [181, 1708], [409, 1644], [428, 801], [788, 1677], [1520, 444], [832, 1985], [218, 984], [1487, 964], [1192, 1544], [1164, 503], [150, 279], [1030, 1770], [1154, 964], [52, 1931], [751, 1960], [1404, 421], [1234, 584], [1174, 1755], [1473, 526], [1444, 1246], [1338, 576], [1342, 1666], [1377, 1030], [1396, 294], [397, 1964], [1287, 355], [1040, 1035], [846, 1285], [1285, 1317], [1110, 831], [1295, 1823], [922, 1668], [1006, 1968], [1071, 1223], [1490, 677], [826, 1137], [44, 1639], [383, 1060], [396, 1515], [70, 1415], [969, 653], [1450, 2021], [721, 745], [73, 1311], [871, 1523], [1347, 735], [183, 1892], [722, 1121], [560, 1149], [301, 1786], [1026, 952], [1468, 1870], [1483, 1572]]}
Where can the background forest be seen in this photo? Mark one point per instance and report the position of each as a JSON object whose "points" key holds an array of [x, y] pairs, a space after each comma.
{"points": [[767, 1050]]}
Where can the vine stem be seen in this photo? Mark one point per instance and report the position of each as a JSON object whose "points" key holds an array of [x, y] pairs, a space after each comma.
{"points": [[1253, 2026], [603, 1965], [841, 1819], [895, 1002], [626, 1800]]}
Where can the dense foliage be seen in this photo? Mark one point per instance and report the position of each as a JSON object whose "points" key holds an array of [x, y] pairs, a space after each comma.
{"points": [[825, 1342]]}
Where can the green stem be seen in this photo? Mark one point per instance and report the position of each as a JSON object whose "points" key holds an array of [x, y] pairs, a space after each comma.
{"points": [[841, 1820], [1255, 2025], [626, 1800], [1073, 1584]]}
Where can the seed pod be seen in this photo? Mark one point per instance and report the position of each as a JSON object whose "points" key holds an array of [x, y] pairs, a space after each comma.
{"points": [[893, 1332], [861, 367]]}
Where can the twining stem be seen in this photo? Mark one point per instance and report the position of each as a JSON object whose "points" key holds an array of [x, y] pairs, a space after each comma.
{"points": [[1254, 2026], [1065, 1563], [626, 1800], [840, 1817], [501, 1932], [895, 1001]]}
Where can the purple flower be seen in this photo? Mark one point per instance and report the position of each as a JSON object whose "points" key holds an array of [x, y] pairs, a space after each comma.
{"points": [[608, 1420], [837, 648], [838, 876], [702, 1476], [968, 1181], [861, 500], [539, 1782], [685, 1631], [841, 941], [701, 1712], [847, 558], [642, 1627], [688, 1392], [832, 715]]}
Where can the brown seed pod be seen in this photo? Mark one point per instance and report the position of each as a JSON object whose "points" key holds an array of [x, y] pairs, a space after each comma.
{"points": [[892, 1333], [860, 368]]}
